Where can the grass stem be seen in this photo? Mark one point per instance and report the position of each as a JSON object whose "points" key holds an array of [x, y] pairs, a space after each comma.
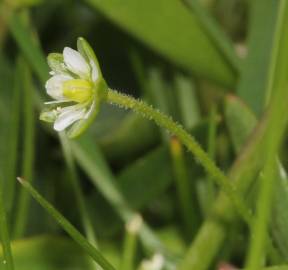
{"points": [[67, 226]]}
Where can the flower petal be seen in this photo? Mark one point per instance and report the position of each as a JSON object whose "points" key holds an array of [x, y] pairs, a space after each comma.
{"points": [[76, 63], [68, 116], [54, 86]]}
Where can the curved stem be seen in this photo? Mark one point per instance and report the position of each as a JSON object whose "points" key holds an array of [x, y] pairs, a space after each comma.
{"points": [[174, 128]]}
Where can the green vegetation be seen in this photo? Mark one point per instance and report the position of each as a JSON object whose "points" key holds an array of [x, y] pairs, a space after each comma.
{"points": [[184, 165]]}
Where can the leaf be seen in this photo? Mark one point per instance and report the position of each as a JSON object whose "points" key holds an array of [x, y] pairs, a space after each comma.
{"points": [[151, 173], [240, 121], [170, 29], [48, 253], [255, 69]]}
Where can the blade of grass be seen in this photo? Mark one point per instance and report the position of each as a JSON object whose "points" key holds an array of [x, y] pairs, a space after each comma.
{"points": [[166, 18], [67, 226], [21, 216], [79, 196], [211, 149], [188, 104], [30, 49], [214, 32], [93, 163], [187, 203], [240, 122], [255, 69], [8, 259], [277, 83], [13, 137]]}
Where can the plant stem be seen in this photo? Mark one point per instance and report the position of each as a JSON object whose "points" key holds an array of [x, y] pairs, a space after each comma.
{"points": [[166, 122], [86, 222], [67, 226], [8, 259]]}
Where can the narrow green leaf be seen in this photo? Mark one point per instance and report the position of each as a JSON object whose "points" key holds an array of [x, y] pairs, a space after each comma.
{"points": [[277, 86], [4, 233], [79, 196], [151, 172], [255, 69], [28, 153], [93, 163], [186, 199], [64, 254], [187, 99], [29, 47], [240, 121], [214, 32], [13, 138], [67, 226], [190, 49]]}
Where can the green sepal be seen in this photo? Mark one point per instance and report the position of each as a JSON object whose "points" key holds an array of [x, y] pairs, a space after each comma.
{"points": [[48, 116], [87, 52], [56, 63]]}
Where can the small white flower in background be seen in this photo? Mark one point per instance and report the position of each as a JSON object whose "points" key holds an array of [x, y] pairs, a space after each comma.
{"points": [[77, 87], [155, 263]]}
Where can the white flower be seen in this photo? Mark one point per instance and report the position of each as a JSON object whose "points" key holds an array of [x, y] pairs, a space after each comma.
{"points": [[75, 85], [155, 263]]}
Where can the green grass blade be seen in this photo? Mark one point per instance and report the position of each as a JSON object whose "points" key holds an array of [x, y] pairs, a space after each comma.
{"points": [[48, 252], [214, 32], [13, 138], [30, 48], [4, 232], [67, 226], [79, 196], [191, 49], [187, 202], [255, 69], [187, 98], [28, 156], [277, 86], [93, 163]]}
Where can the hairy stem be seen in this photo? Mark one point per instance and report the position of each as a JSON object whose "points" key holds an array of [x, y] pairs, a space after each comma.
{"points": [[174, 128]]}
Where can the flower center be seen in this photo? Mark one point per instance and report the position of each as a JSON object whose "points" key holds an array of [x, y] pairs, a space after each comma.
{"points": [[77, 90]]}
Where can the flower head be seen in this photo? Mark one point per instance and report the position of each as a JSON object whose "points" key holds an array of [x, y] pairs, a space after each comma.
{"points": [[77, 88]]}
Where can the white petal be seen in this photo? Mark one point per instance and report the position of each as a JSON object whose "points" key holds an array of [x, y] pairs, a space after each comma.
{"points": [[54, 86], [68, 116], [56, 101], [76, 63], [95, 72]]}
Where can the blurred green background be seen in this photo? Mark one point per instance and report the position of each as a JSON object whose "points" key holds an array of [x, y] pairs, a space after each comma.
{"points": [[189, 60]]}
